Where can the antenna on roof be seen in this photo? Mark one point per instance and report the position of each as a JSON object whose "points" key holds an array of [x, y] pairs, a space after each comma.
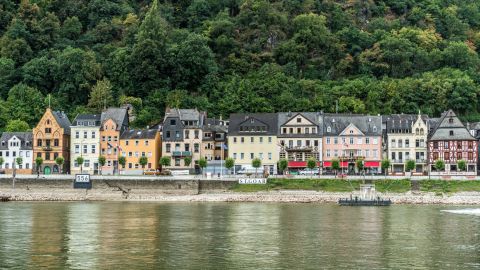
{"points": [[49, 98]]}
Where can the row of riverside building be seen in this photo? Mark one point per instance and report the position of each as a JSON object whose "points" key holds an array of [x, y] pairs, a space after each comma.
{"points": [[186, 135]]}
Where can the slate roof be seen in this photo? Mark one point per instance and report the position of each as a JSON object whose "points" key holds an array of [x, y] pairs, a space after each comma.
{"points": [[118, 115], [23, 136], [187, 115], [394, 122], [315, 117], [365, 123], [138, 134], [443, 127], [87, 117], [269, 119], [215, 125], [62, 120]]}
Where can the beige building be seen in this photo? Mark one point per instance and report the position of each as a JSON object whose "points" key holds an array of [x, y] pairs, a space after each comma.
{"points": [[85, 143], [253, 136], [406, 136]]}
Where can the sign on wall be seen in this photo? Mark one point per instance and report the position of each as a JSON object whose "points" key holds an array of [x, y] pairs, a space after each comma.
{"points": [[82, 181], [261, 181]]}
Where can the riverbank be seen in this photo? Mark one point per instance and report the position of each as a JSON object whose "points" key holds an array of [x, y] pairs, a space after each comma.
{"points": [[300, 196], [276, 190]]}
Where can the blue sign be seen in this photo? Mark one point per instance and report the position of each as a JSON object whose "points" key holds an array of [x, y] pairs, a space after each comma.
{"points": [[82, 181]]}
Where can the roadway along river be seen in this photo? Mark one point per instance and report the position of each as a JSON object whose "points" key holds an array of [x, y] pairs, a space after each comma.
{"points": [[97, 235]]}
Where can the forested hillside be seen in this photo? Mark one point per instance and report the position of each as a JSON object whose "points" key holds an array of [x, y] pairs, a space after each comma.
{"points": [[387, 56]]}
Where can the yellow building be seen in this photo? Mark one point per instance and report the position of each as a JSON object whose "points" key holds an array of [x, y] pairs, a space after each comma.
{"points": [[253, 136], [140, 143]]}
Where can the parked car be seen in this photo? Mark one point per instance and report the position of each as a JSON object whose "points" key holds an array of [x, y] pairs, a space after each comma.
{"points": [[307, 171], [151, 172]]}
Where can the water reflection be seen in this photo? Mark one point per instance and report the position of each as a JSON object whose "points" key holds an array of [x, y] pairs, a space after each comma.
{"points": [[235, 235]]}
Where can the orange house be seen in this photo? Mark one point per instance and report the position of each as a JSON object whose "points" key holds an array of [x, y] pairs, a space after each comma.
{"points": [[140, 143], [114, 122], [51, 139]]}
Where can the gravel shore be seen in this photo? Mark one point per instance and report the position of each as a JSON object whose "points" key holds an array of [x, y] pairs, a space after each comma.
{"points": [[272, 196]]}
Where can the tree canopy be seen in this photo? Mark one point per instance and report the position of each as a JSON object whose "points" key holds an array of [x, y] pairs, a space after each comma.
{"points": [[235, 56]]}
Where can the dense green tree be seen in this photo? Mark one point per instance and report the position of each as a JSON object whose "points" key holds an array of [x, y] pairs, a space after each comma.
{"points": [[101, 95], [7, 75], [23, 103], [17, 126]]}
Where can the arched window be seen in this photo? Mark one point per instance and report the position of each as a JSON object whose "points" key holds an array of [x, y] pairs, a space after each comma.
{"points": [[421, 131], [417, 131]]}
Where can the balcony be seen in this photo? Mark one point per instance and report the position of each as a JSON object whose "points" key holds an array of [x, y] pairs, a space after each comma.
{"points": [[299, 148], [47, 148], [181, 154]]}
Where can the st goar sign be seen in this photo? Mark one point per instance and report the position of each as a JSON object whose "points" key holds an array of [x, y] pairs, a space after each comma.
{"points": [[82, 181], [261, 181]]}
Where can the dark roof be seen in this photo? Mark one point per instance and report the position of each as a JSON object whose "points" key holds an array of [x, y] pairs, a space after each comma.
{"points": [[270, 120], [62, 120], [365, 123], [401, 121], [24, 137], [87, 117], [450, 122], [215, 125], [118, 115], [139, 134], [187, 115], [315, 117]]}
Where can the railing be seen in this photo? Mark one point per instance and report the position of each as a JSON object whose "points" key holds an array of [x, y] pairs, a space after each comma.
{"points": [[47, 148], [298, 148], [181, 153]]}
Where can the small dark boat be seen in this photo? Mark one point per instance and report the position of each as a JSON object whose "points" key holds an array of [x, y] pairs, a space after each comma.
{"points": [[367, 198], [4, 198]]}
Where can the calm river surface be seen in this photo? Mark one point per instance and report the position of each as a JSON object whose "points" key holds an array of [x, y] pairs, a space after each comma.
{"points": [[118, 235]]}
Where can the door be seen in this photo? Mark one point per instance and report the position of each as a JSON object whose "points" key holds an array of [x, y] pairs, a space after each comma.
{"points": [[47, 170]]}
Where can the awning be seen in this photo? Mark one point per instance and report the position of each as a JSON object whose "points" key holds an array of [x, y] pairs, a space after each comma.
{"points": [[299, 164], [328, 164], [371, 164]]}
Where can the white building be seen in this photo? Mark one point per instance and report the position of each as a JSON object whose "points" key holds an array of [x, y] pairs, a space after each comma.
{"points": [[85, 143], [406, 136], [14, 145]]}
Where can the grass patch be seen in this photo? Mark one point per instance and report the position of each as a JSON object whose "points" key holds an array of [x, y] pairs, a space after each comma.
{"points": [[398, 186], [444, 186]]}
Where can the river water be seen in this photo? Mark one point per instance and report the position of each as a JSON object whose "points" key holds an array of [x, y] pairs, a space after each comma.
{"points": [[108, 235]]}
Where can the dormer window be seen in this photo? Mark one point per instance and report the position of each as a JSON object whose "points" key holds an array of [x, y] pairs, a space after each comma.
{"points": [[451, 132], [299, 120], [48, 121], [173, 122], [450, 120], [351, 131], [374, 129], [329, 129], [252, 121]]}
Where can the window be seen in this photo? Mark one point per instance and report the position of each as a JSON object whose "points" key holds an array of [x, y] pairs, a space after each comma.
{"points": [[290, 130], [136, 143], [167, 148], [234, 139], [367, 153], [269, 139], [143, 154], [459, 145], [284, 130], [299, 120], [177, 134], [94, 149], [329, 129], [196, 147], [94, 134], [261, 139], [109, 138], [367, 140], [234, 155], [447, 155], [56, 142], [242, 139], [47, 156], [450, 120], [77, 134], [196, 134], [328, 140], [328, 153], [447, 145], [173, 122], [470, 145], [470, 156], [335, 140], [146, 142], [374, 129], [435, 145], [351, 140], [115, 138], [451, 132], [351, 131], [187, 134], [39, 142], [251, 156], [103, 138], [270, 156], [242, 155], [307, 130], [375, 141], [77, 149], [459, 155], [260, 155], [85, 149], [130, 154], [48, 130], [86, 163], [375, 153], [299, 130], [251, 139], [407, 143], [167, 134], [136, 153], [85, 135], [177, 162]]}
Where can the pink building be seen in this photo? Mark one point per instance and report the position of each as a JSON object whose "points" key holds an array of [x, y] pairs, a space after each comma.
{"points": [[350, 137]]}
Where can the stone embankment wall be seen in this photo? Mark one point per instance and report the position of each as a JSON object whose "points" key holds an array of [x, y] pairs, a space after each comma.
{"points": [[107, 189]]}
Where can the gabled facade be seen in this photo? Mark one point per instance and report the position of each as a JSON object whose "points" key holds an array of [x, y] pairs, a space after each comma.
{"points": [[406, 139], [214, 139], [182, 137], [352, 137], [114, 121], [51, 139], [140, 143], [451, 141], [14, 145], [85, 143], [254, 136], [300, 138]]}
